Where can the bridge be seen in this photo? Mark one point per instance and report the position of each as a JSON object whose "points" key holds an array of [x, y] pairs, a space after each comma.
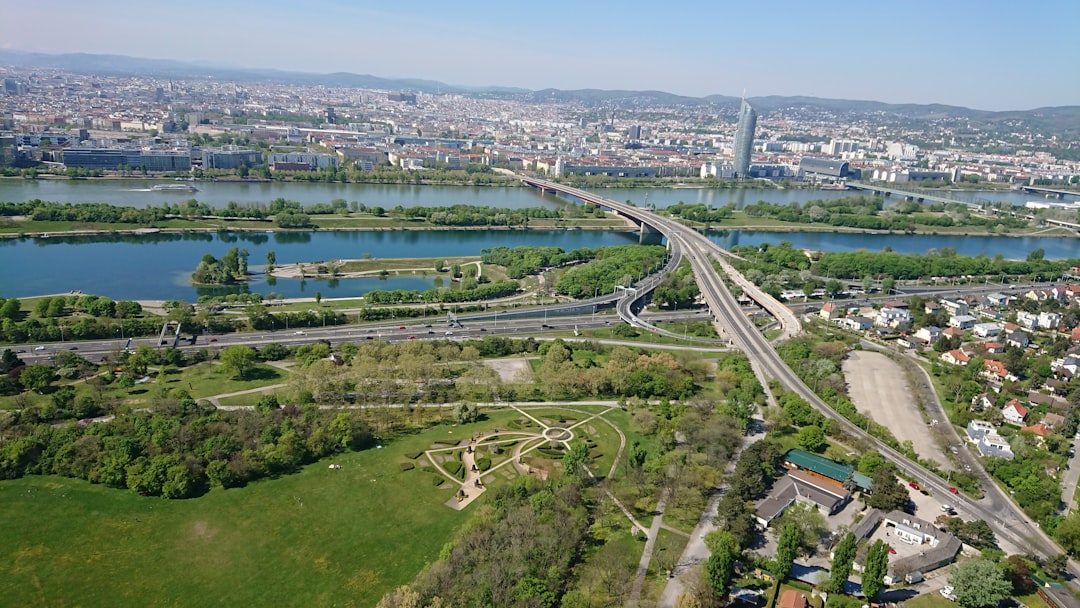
{"points": [[1051, 191], [713, 272], [919, 194]]}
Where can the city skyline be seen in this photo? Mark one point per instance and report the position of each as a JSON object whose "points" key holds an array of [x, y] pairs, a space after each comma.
{"points": [[969, 54]]}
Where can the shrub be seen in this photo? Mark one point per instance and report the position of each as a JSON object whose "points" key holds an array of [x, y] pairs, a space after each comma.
{"points": [[483, 463], [407, 466], [455, 468]]}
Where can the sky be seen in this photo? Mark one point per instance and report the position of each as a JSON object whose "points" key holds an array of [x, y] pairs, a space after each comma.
{"points": [[988, 54]]}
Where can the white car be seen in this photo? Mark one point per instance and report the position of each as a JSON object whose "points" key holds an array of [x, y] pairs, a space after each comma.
{"points": [[298, 333], [947, 593], [39, 348]]}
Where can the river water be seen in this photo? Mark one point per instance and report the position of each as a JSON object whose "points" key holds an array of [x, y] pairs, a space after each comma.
{"points": [[137, 193], [159, 266]]}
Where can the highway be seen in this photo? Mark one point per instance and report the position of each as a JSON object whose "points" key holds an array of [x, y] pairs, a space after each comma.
{"points": [[412, 329], [996, 508]]}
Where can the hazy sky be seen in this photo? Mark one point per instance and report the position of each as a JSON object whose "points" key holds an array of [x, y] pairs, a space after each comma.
{"points": [[986, 54]]}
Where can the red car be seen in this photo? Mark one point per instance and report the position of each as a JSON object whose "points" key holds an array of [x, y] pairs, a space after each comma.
{"points": [[412, 337], [914, 486], [402, 327], [954, 490], [892, 551]]}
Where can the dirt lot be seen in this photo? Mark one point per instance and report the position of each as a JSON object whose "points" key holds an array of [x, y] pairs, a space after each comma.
{"points": [[878, 387], [511, 370]]}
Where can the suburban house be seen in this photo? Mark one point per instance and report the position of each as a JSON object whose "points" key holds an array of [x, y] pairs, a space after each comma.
{"points": [[962, 321], [956, 357], [1018, 339], [980, 402], [1053, 421], [1075, 335], [955, 307], [893, 317], [938, 548], [1014, 412], [994, 347], [997, 299], [986, 330], [929, 334], [856, 323], [792, 598], [987, 440], [1039, 429], [830, 311], [995, 370], [1042, 320], [976, 429], [952, 332]]}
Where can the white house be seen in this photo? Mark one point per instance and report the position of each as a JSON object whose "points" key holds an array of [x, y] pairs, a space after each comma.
{"points": [[987, 330], [962, 321], [1014, 412], [956, 307], [893, 317], [856, 323], [929, 333]]}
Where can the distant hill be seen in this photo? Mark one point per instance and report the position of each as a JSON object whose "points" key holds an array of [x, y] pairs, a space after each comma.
{"points": [[1064, 120]]}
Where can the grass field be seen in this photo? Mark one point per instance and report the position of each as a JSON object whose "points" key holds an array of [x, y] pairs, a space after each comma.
{"points": [[319, 537]]}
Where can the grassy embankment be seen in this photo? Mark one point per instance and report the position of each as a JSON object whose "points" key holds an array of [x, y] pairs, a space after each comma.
{"points": [[319, 537]]}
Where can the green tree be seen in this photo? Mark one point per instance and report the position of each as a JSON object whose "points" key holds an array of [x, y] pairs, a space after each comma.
{"points": [[877, 565], [238, 358], [812, 438], [10, 309], [318, 297], [888, 494], [37, 377], [1068, 534], [787, 549], [843, 558], [888, 284], [271, 261], [979, 583], [870, 462], [576, 460], [720, 566]]}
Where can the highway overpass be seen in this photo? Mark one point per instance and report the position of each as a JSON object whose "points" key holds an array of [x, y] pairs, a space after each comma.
{"points": [[996, 508]]}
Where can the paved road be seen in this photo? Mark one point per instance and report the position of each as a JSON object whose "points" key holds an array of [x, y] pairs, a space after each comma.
{"points": [[996, 508]]}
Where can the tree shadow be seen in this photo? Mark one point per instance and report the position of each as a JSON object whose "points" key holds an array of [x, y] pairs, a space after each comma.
{"points": [[259, 373]]}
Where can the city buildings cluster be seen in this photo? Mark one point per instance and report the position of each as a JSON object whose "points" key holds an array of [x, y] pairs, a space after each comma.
{"points": [[113, 123]]}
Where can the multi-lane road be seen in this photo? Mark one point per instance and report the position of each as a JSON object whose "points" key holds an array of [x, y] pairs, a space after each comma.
{"points": [[996, 508]]}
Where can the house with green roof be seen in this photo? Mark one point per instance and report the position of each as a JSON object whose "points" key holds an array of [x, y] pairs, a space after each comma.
{"points": [[830, 469]]}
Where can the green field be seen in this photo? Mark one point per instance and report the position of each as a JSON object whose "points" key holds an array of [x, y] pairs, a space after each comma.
{"points": [[319, 537]]}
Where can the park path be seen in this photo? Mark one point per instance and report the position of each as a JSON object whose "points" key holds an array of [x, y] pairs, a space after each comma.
{"points": [[646, 553]]}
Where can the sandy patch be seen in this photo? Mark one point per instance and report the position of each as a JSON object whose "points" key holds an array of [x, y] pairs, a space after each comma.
{"points": [[878, 388], [511, 370]]}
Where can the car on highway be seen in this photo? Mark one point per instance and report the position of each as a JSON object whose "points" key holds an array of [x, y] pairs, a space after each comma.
{"points": [[73, 348], [401, 327], [412, 337], [39, 348], [213, 339], [298, 333], [449, 333], [954, 490]]}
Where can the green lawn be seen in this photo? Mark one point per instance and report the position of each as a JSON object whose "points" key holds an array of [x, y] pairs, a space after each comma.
{"points": [[207, 380], [929, 600], [319, 537]]}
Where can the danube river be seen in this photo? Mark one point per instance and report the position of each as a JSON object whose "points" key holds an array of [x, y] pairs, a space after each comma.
{"points": [[157, 267], [137, 193]]}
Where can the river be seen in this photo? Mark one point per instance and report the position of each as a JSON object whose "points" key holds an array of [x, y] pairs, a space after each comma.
{"points": [[158, 267], [137, 193]]}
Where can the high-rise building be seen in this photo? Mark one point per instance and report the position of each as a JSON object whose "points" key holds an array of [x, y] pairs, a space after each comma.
{"points": [[744, 140]]}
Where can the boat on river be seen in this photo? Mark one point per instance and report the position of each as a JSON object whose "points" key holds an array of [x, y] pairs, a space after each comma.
{"points": [[173, 188]]}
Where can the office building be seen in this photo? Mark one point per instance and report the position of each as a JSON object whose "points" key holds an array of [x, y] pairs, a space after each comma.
{"points": [[112, 159], [231, 157], [744, 140]]}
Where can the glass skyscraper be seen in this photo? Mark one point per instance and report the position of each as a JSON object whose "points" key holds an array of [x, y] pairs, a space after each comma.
{"points": [[744, 140]]}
